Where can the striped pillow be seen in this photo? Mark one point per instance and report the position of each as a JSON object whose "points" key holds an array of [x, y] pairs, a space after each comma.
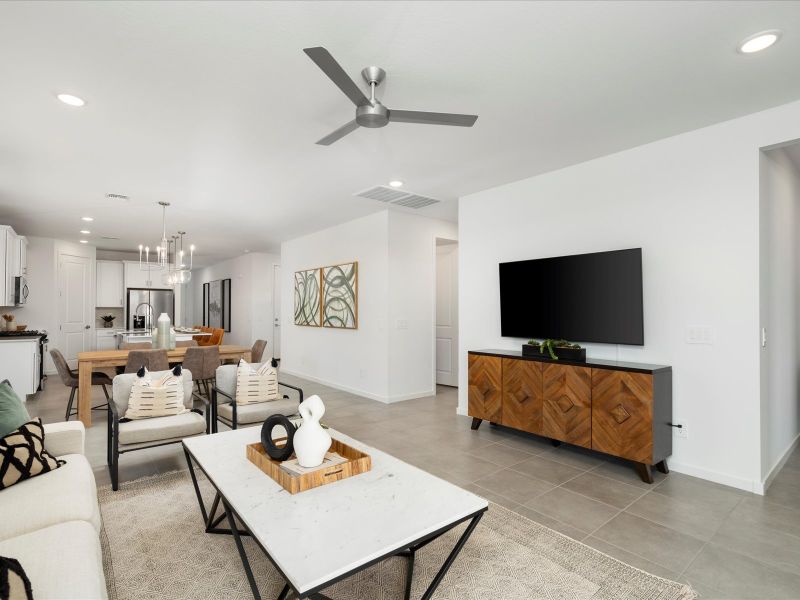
{"points": [[160, 397], [256, 385]]}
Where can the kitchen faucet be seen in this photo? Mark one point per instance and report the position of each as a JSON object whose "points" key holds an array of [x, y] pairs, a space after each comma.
{"points": [[148, 313]]}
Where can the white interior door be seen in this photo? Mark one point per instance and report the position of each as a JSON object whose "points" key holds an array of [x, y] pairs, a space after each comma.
{"points": [[276, 312], [447, 314], [75, 306]]}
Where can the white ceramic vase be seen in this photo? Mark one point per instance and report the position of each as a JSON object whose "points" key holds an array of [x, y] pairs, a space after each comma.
{"points": [[311, 441]]}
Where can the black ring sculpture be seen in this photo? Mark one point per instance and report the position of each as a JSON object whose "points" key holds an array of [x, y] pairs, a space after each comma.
{"points": [[280, 453]]}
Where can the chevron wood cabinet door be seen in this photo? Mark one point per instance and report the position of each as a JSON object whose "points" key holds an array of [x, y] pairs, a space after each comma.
{"points": [[522, 395], [622, 414], [485, 399], [567, 404]]}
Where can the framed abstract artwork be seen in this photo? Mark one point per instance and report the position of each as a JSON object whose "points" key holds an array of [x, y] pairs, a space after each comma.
{"points": [[217, 304], [307, 307], [340, 296]]}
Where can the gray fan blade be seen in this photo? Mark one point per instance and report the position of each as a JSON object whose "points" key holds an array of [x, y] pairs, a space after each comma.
{"points": [[339, 133], [432, 118], [332, 69]]}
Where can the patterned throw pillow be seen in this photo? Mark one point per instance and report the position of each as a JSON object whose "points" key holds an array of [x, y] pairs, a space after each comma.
{"points": [[159, 397], [22, 455], [14, 583], [256, 385]]}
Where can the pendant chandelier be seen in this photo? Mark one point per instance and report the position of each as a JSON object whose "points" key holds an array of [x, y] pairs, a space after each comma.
{"points": [[170, 257]]}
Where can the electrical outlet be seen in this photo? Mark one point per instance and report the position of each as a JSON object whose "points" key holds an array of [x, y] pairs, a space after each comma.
{"points": [[362, 373], [402, 324], [682, 431]]}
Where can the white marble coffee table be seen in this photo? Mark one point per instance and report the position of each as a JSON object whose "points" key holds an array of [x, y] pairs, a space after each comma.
{"points": [[318, 537]]}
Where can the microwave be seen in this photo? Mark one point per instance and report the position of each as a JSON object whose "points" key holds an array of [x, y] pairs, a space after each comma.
{"points": [[20, 291]]}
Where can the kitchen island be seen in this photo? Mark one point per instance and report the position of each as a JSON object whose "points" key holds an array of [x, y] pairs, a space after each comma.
{"points": [[140, 336]]}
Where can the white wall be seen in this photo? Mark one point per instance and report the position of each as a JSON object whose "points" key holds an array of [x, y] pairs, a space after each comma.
{"points": [[780, 305], [692, 203], [390, 357], [251, 297], [354, 360], [412, 302]]}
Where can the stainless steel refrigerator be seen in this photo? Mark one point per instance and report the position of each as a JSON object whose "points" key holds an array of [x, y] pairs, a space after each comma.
{"points": [[145, 306]]}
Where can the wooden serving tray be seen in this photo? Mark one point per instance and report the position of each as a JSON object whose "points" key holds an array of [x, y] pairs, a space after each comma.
{"points": [[357, 462]]}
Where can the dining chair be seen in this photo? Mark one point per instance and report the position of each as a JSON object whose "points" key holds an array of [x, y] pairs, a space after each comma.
{"points": [[225, 410], [203, 362], [152, 360], [70, 379], [185, 344], [257, 351], [125, 435]]}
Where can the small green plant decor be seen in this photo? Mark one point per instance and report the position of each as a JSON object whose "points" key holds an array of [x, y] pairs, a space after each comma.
{"points": [[550, 345]]}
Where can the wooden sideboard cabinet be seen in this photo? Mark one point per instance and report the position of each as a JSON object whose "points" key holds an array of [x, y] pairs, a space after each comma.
{"points": [[618, 408]]}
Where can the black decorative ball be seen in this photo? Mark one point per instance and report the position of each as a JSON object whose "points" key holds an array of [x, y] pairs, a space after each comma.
{"points": [[278, 452]]}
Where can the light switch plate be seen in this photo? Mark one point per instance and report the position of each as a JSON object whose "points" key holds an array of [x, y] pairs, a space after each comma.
{"points": [[700, 335]]}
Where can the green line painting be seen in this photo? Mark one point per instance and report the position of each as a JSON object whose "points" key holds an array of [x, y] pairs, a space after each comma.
{"points": [[307, 298], [340, 296]]}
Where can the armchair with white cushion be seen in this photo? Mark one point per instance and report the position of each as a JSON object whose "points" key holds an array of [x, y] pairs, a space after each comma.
{"points": [[225, 410], [137, 434]]}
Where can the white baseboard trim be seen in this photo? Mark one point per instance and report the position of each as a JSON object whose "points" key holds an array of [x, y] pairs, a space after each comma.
{"points": [[776, 468], [358, 392], [748, 485]]}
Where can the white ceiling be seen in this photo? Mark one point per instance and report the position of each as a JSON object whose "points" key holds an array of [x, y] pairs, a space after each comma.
{"points": [[215, 108]]}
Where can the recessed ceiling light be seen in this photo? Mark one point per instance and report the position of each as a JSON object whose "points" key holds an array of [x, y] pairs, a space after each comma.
{"points": [[396, 183], [71, 100], [759, 41], [85, 231], [87, 219], [84, 241]]}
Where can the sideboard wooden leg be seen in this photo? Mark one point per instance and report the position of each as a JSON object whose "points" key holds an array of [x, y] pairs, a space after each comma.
{"points": [[556, 443], [662, 466], [476, 422], [643, 469]]}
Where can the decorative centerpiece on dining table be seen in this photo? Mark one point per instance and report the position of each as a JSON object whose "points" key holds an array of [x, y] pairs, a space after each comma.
{"points": [[308, 456]]}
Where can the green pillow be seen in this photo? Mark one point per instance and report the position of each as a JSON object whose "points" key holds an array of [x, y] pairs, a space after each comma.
{"points": [[12, 411]]}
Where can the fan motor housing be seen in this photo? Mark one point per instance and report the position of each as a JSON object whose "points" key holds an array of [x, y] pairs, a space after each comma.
{"points": [[372, 115]]}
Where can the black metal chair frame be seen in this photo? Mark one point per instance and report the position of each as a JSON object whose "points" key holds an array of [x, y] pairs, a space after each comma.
{"points": [[113, 452], [71, 400], [235, 423]]}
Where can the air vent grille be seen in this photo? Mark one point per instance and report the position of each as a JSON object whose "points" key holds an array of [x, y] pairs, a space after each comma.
{"points": [[107, 237], [415, 201], [118, 197], [395, 197], [382, 194]]}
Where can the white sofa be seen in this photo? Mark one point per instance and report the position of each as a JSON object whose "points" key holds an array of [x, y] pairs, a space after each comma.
{"points": [[51, 523]]}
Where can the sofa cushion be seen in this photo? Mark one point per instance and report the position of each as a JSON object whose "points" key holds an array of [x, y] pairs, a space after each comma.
{"points": [[160, 396], [257, 413], [63, 561], [121, 389], [66, 494], [255, 383], [161, 428], [13, 413], [14, 583], [22, 455]]}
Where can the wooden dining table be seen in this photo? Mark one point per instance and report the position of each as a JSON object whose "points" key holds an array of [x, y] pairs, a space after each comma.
{"points": [[89, 361]]}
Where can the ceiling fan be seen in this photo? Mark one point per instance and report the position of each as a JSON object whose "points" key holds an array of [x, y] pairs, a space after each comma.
{"points": [[369, 111]]}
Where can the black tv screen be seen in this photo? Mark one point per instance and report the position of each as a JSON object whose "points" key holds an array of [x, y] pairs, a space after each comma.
{"points": [[582, 298]]}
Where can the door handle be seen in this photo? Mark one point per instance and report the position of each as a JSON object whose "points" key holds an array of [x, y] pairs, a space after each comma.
{"points": [[87, 326]]}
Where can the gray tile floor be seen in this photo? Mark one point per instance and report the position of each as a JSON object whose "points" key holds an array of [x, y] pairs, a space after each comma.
{"points": [[724, 542]]}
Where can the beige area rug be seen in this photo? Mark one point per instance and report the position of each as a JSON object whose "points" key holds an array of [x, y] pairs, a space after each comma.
{"points": [[154, 546]]}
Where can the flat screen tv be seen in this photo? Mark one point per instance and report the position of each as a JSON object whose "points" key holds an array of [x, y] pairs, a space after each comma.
{"points": [[581, 298]]}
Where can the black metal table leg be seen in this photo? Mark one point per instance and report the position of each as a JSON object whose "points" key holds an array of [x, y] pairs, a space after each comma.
{"points": [[451, 558], [409, 574], [196, 486], [240, 547], [284, 592]]}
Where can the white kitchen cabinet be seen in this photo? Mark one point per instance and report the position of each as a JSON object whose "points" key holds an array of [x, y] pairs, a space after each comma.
{"points": [[22, 256], [19, 363], [9, 264], [106, 339], [135, 277], [110, 287]]}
